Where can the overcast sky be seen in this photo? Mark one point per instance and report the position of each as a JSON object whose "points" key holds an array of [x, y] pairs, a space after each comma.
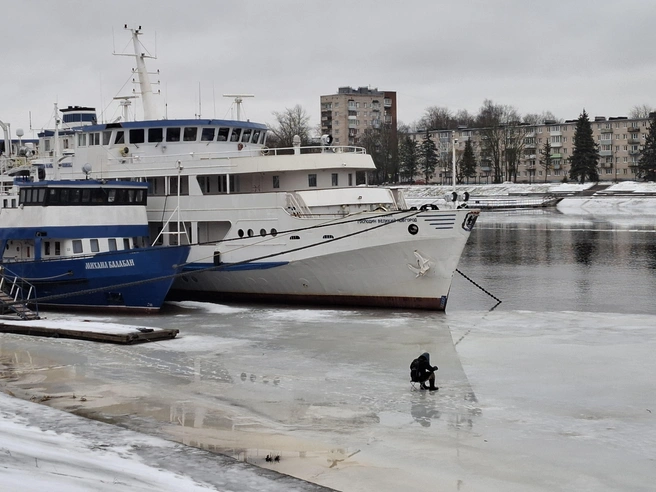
{"points": [[558, 56]]}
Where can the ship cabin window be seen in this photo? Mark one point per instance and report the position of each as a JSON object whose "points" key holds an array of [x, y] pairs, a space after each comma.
{"points": [[32, 196], [350, 179], [335, 179], [77, 246], [46, 248], [207, 134], [57, 248], [235, 135], [246, 135], [137, 136], [190, 133], [156, 186], [95, 247], [173, 134], [256, 136], [126, 243], [94, 138], [222, 134], [276, 181], [312, 180], [156, 134], [81, 140], [106, 137], [111, 243], [184, 185], [120, 137]]}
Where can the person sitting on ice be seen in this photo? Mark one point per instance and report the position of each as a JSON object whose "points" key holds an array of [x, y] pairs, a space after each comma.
{"points": [[421, 371]]}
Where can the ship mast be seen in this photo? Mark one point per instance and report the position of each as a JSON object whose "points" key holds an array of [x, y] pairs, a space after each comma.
{"points": [[238, 101], [145, 87]]}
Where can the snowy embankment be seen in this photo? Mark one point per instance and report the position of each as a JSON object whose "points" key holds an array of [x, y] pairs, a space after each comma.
{"points": [[643, 203]]}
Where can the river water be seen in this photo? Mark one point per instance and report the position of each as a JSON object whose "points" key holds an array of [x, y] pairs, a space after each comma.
{"points": [[556, 377]]}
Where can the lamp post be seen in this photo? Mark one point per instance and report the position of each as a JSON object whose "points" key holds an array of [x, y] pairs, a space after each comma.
{"points": [[453, 167]]}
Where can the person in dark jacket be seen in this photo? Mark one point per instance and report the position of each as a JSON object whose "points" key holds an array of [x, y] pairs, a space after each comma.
{"points": [[421, 371]]}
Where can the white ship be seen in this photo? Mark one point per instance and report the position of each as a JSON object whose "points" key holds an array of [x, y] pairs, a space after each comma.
{"points": [[281, 225]]}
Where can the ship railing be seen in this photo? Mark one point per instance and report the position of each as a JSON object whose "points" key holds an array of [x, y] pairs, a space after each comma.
{"points": [[228, 155], [20, 290], [296, 206]]}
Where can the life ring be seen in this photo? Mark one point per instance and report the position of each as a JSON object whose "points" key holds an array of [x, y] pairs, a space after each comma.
{"points": [[264, 150], [240, 146]]}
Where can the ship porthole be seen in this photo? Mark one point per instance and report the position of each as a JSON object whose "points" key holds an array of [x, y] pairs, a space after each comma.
{"points": [[274, 232], [240, 232], [413, 229], [250, 232], [262, 232]]}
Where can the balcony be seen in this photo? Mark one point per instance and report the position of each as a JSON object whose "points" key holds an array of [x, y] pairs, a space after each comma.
{"points": [[387, 103], [634, 140], [634, 164], [555, 133], [606, 130], [556, 166], [605, 153], [556, 156], [633, 129], [556, 145], [634, 152]]}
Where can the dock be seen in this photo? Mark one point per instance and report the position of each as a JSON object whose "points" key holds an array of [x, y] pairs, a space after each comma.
{"points": [[89, 330]]}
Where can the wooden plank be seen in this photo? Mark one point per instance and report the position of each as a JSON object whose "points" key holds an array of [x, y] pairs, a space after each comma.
{"points": [[136, 336]]}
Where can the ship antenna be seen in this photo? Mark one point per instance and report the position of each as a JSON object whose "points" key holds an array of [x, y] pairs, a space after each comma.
{"points": [[238, 101]]}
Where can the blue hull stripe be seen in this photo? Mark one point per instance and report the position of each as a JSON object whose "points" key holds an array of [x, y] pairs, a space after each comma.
{"points": [[227, 267], [73, 232]]}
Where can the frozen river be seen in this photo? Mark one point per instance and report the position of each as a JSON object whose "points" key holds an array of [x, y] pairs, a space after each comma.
{"points": [[552, 390]]}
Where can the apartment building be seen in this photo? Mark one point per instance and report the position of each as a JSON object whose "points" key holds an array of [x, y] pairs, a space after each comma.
{"points": [[349, 113], [620, 140]]}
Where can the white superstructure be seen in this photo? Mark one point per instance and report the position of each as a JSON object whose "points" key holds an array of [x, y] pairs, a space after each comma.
{"points": [[284, 225]]}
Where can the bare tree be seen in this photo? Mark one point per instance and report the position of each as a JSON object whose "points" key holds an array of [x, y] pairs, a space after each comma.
{"points": [[640, 111], [539, 119], [290, 122], [437, 118]]}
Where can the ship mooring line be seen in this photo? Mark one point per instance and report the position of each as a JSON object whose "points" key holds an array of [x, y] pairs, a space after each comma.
{"points": [[487, 292]]}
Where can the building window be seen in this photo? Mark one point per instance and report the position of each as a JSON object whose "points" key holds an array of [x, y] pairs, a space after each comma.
{"points": [[335, 179], [312, 180]]}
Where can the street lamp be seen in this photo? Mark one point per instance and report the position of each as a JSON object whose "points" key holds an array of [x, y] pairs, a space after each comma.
{"points": [[453, 168]]}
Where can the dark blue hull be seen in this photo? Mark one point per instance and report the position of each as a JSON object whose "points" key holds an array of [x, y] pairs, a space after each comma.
{"points": [[137, 279]]}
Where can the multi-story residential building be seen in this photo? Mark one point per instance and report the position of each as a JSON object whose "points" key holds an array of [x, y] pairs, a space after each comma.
{"points": [[620, 140], [349, 113]]}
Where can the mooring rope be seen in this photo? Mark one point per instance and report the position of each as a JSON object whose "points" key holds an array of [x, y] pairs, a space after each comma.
{"points": [[487, 292]]}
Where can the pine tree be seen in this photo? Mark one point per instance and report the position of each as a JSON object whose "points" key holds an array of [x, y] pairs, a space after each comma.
{"points": [[428, 157], [408, 157], [545, 159], [468, 163], [647, 163], [583, 163]]}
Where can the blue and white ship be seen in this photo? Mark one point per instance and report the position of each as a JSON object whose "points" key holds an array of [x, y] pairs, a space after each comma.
{"points": [[84, 244]]}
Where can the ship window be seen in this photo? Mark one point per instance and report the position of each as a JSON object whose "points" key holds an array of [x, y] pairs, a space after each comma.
{"points": [[81, 140], [246, 135], [156, 134], [120, 137], [335, 179], [46, 248], [46, 145], [274, 232], [86, 196], [107, 137], [42, 195], [276, 181], [111, 196], [328, 236], [126, 243], [190, 133], [57, 248], [256, 136], [222, 136], [140, 196], [77, 246], [53, 195], [75, 196], [207, 135], [250, 232], [240, 232], [312, 180], [294, 237], [94, 138], [262, 232], [94, 246], [137, 135], [112, 244], [236, 134], [173, 134]]}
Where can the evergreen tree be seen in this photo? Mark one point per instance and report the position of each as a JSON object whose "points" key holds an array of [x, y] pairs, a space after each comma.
{"points": [[647, 163], [428, 157], [408, 157], [583, 163], [545, 159], [468, 163]]}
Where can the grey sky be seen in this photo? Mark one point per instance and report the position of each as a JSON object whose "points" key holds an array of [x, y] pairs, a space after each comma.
{"points": [[559, 56]]}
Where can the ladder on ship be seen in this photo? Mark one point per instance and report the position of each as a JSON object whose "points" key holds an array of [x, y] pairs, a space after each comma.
{"points": [[15, 294]]}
